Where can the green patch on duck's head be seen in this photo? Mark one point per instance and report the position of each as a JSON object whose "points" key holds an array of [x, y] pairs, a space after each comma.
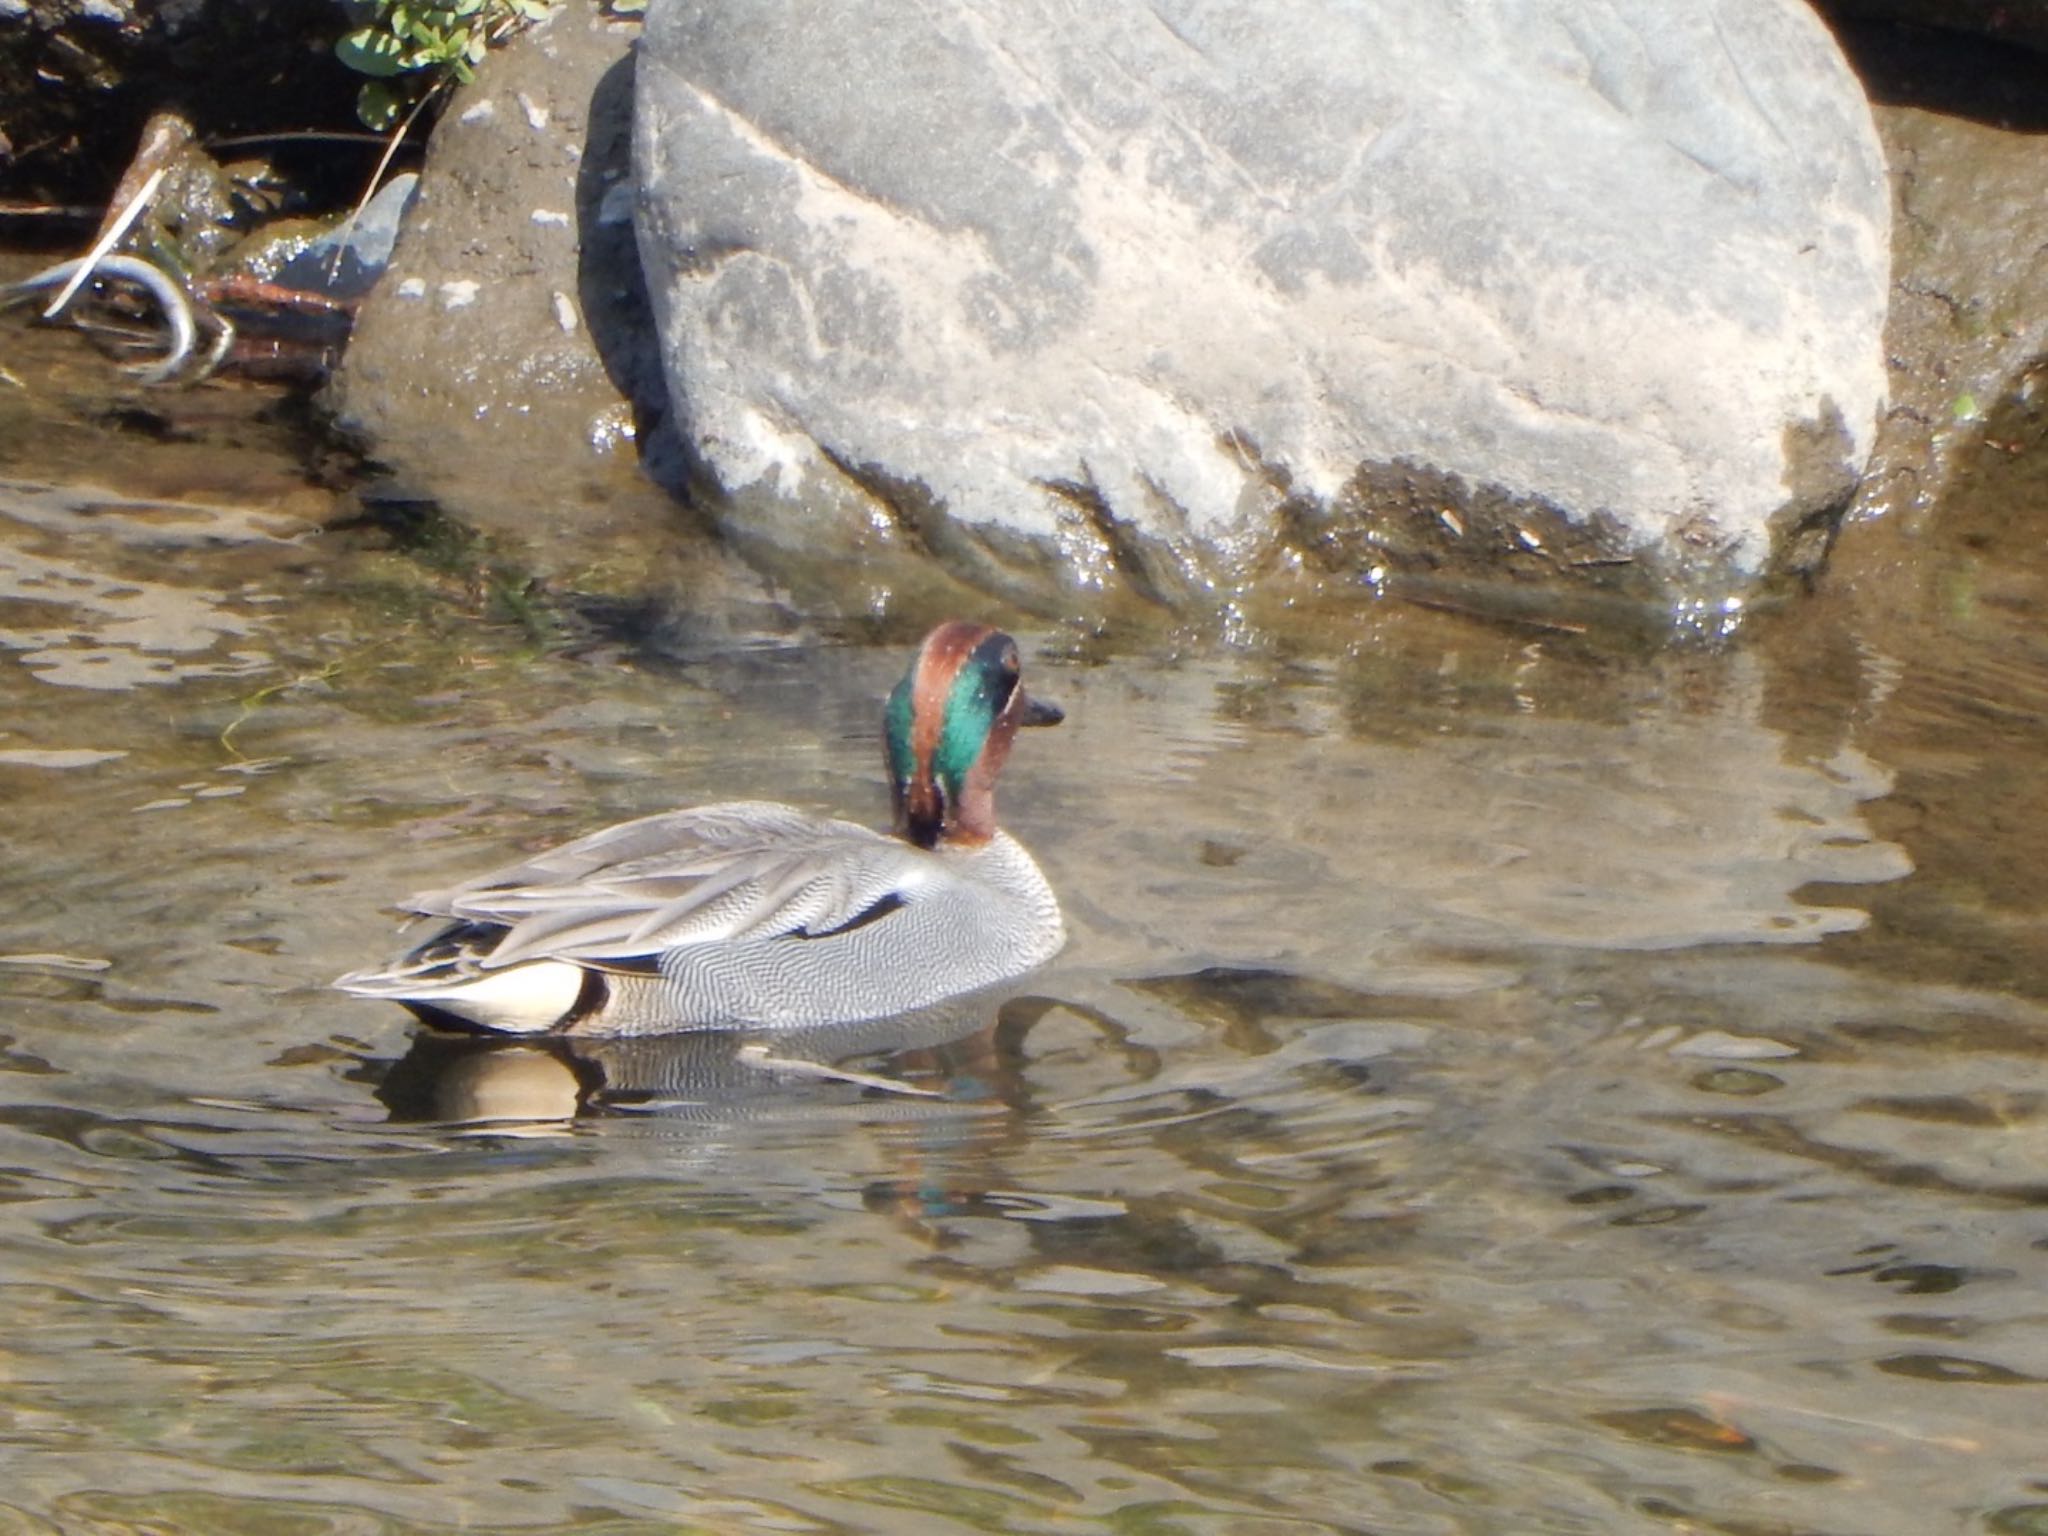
{"points": [[896, 721], [941, 718]]}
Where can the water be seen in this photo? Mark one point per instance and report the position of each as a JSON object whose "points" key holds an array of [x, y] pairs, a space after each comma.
{"points": [[1496, 1084]]}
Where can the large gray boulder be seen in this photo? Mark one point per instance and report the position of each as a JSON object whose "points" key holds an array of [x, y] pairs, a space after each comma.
{"points": [[1195, 302]]}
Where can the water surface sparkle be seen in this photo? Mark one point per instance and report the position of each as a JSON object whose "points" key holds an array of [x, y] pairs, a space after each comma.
{"points": [[1490, 1088]]}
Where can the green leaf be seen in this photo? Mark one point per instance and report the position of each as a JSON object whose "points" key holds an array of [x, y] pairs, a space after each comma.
{"points": [[1966, 407], [380, 104], [431, 39], [372, 51], [446, 36]]}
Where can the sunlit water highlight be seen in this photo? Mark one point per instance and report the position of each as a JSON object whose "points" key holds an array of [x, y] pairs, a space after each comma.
{"points": [[1490, 1089]]}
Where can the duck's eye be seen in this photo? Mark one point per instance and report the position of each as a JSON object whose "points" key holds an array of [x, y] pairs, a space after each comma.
{"points": [[1010, 664]]}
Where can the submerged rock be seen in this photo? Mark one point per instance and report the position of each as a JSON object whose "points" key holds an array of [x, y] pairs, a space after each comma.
{"points": [[1179, 302]]}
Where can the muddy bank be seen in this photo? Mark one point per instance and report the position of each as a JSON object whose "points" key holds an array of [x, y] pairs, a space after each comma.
{"points": [[79, 78]]}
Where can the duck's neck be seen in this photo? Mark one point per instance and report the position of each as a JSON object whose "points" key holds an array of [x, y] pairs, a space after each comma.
{"points": [[973, 822], [928, 817]]}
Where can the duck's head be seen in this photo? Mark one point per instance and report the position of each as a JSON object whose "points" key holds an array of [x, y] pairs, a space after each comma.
{"points": [[948, 727]]}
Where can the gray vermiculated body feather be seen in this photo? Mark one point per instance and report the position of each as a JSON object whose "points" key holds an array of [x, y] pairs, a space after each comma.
{"points": [[744, 914]]}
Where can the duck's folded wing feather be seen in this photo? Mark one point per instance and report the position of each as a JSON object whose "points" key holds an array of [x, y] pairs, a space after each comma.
{"points": [[723, 872], [675, 841]]}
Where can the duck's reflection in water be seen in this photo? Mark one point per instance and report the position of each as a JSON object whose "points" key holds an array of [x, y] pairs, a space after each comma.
{"points": [[931, 1061]]}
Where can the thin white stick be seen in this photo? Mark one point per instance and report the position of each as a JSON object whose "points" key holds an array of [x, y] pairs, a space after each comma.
{"points": [[106, 243], [348, 225]]}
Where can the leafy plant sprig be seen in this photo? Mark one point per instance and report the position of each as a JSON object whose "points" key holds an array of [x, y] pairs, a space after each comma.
{"points": [[412, 48]]}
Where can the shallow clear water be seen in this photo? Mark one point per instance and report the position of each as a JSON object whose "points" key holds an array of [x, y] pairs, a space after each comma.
{"points": [[1494, 1085]]}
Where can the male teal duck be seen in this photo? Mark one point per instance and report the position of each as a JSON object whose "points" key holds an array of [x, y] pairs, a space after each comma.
{"points": [[748, 914]]}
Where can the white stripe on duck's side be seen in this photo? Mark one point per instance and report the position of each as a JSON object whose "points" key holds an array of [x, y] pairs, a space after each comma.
{"points": [[752, 914]]}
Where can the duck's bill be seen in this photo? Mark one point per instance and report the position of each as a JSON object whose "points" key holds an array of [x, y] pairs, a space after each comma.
{"points": [[1038, 712]]}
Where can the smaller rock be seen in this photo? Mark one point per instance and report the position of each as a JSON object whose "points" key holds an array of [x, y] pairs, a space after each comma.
{"points": [[1718, 1045], [364, 246], [490, 368]]}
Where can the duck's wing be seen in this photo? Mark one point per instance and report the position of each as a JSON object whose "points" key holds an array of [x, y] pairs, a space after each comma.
{"points": [[741, 870]]}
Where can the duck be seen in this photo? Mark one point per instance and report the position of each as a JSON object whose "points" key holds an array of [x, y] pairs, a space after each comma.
{"points": [[754, 916]]}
